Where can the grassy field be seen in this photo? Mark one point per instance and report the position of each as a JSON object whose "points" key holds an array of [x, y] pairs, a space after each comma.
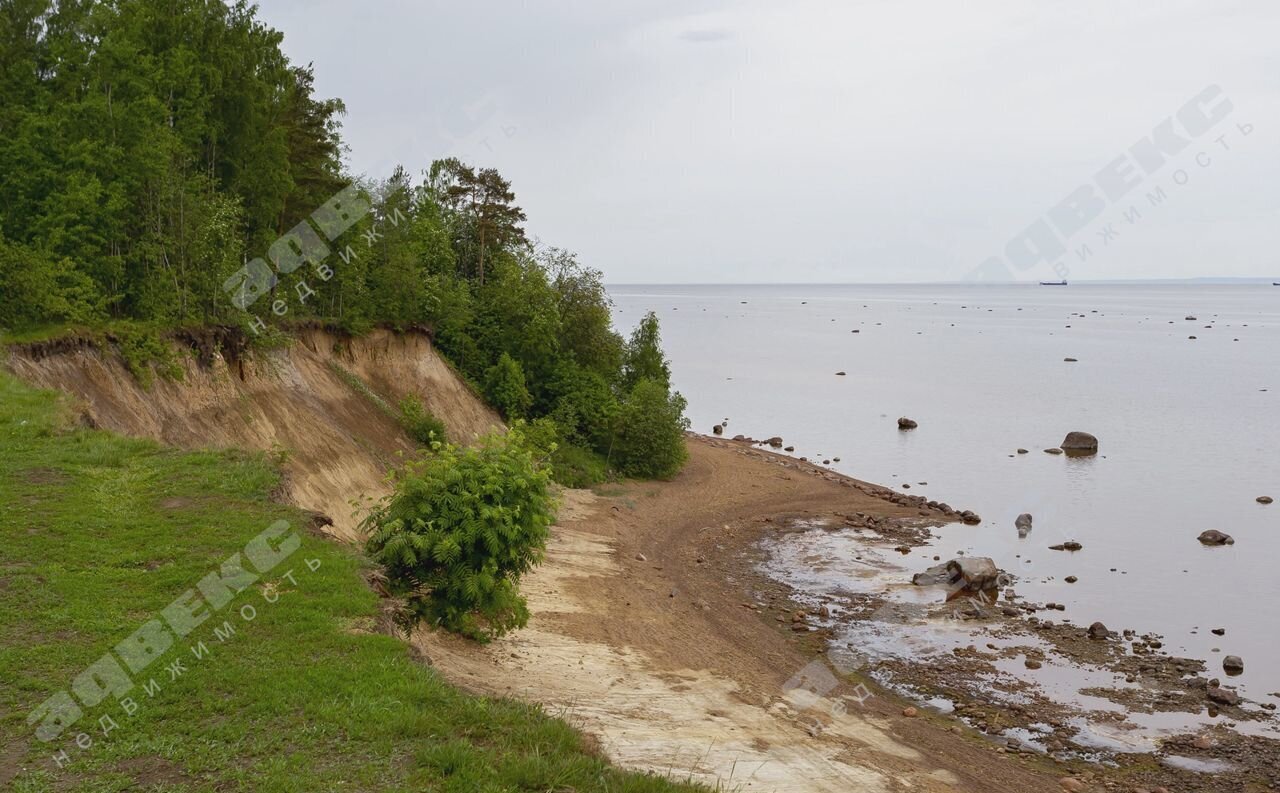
{"points": [[98, 534]]}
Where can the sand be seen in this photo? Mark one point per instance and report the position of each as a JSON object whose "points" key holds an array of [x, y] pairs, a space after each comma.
{"points": [[660, 661]]}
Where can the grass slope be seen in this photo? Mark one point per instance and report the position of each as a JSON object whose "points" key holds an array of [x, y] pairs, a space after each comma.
{"points": [[98, 533]]}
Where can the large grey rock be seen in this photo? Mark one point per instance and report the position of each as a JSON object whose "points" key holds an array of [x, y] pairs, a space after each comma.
{"points": [[1233, 665], [1079, 443], [962, 574]]}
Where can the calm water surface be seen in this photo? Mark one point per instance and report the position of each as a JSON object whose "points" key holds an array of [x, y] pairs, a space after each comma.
{"points": [[1189, 430]]}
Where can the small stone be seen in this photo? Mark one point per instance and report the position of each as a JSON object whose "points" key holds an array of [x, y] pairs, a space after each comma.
{"points": [[1233, 665], [641, 558], [1215, 537], [910, 713], [1032, 663], [1071, 579], [1071, 784], [1022, 451], [1264, 499], [1069, 360], [839, 374], [1098, 631], [1053, 451], [905, 423]]}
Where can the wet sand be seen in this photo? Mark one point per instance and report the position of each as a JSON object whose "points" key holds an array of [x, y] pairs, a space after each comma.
{"points": [[656, 631]]}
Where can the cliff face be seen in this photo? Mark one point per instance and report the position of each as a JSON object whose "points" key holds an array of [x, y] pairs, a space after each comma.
{"points": [[302, 401]]}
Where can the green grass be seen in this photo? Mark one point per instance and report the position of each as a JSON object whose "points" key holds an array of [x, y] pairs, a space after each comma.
{"points": [[98, 533]]}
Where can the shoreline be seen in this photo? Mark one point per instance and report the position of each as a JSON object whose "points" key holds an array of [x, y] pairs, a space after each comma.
{"points": [[647, 635], [695, 663]]}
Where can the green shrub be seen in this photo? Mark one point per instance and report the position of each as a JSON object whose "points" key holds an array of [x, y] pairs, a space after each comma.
{"points": [[142, 349], [649, 433], [571, 465], [39, 288], [575, 466], [460, 529], [585, 406], [505, 387], [421, 424]]}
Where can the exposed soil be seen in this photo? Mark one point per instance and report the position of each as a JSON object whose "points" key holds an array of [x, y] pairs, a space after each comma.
{"points": [[293, 402]]}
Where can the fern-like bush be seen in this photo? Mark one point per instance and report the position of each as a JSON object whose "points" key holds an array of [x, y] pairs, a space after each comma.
{"points": [[460, 529]]}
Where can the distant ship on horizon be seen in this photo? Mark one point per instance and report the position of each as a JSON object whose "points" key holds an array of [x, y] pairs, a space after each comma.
{"points": [[1063, 283]]}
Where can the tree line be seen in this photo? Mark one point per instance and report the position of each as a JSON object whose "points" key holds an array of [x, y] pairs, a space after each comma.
{"points": [[151, 151]]}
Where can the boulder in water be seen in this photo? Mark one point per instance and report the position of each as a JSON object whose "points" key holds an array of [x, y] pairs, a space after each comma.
{"points": [[905, 423], [1079, 443], [1215, 537], [1023, 523]]}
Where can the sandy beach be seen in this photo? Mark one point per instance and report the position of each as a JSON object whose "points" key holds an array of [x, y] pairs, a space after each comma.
{"points": [[648, 634], [655, 633]]}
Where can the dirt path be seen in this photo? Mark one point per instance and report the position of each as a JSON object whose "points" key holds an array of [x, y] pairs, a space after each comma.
{"points": [[647, 636]]}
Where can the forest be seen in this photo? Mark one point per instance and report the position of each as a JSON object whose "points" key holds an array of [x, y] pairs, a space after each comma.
{"points": [[164, 165]]}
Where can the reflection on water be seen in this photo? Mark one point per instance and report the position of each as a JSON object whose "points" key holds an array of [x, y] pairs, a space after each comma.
{"points": [[1187, 429]]}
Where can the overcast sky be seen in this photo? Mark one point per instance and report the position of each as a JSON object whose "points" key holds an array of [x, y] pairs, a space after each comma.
{"points": [[704, 141]]}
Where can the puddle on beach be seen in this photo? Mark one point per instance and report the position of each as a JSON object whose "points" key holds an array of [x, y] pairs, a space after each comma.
{"points": [[842, 569]]}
